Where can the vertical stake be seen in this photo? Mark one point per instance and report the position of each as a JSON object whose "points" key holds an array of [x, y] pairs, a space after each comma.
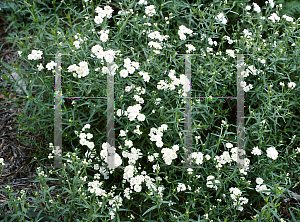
{"points": [[240, 122], [58, 115], [188, 140], [110, 127]]}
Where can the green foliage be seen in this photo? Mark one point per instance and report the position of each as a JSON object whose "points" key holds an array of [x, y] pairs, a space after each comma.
{"points": [[58, 25]]}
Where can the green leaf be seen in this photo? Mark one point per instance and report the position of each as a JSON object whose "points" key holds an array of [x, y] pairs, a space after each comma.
{"points": [[150, 209]]}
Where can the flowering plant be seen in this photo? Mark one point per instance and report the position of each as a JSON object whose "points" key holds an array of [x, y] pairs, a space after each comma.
{"points": [[140, 51]]}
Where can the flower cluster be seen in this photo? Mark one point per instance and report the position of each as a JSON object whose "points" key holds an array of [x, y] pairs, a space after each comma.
{"points": [[225, 158], [102, 13], [169, 154], [92, 153], [158, 135], [182, 30], [116, 202], [288, 18], [130, 67], [150, 10], [130, 174], [56, 151], [104, 35], [254, 71], [82, 70], [157, 45], [190, 48], [198, 156], [95, 187], [104, 151], [274, 17], [132, 112], [290, 84], [141, 2], [221, 18], [139, 91], [271, 152], [36, 54], [236, 196], [260, 187], [77, 42], [182, 187], [108, 55], [271, 3], [183, 80], [158, 36], [256, 7], [133, 156], [145, 76], [230, 52], [210, 183]]}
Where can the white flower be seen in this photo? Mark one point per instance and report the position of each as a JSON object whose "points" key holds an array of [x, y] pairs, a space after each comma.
{"points": [[271, 3], [104, 37], [141, 117], [288, 18], [272, 153], [247, 88], [151, 158], [182, 37], [274, 17], [137, 188], [2, 161], [207, 157], [248, 7], [150, 10], [221, 18], [243, 84], [142, 2], [50, 65], [190, 48], [262, 188], [131, 69], [256, 151], [291, 85], [235, 192], [36, 54], [40, 66], [247, 33], [76, 44], [256, 7], [109, 58], [259, 181], [98, 20], [159, 143], [122, 133], [124, 73], [181, 187], [128, 143], [108, 11], [230, 52]]}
